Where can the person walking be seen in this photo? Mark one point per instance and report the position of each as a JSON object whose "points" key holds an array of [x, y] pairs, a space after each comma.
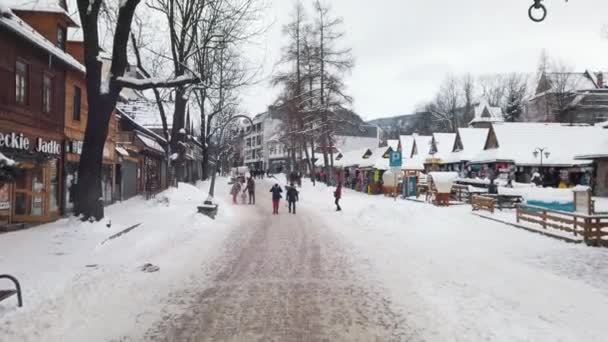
{"points": [[292, 196], [276, 198], [236, 189], [251, 190], [338, 195]]}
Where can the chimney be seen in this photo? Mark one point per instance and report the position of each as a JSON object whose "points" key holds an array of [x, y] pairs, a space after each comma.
{"points": [[600, 80]]}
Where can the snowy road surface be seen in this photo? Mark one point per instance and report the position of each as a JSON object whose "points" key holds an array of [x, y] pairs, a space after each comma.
{"points": [[285, 278], [382, 270]]}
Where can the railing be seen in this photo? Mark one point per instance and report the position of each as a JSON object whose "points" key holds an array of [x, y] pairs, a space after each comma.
{"points": [[592, 228], [460, 193], [483, 203]]}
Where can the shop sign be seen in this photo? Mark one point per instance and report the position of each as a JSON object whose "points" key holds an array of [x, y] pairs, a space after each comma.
{"points": [[48, 147], [75, 146], [18, 141]]}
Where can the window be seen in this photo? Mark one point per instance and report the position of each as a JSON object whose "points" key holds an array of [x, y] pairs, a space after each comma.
{"points": [[61, 37], [21, 82], [47, 93], [76, 102]]}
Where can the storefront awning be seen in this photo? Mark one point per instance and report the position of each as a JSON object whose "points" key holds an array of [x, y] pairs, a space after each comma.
{"points": [[122, 151], [150, 143]]}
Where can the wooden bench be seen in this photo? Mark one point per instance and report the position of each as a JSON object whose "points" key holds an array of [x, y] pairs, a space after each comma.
{"points": [[483, 203], [4, 294]]}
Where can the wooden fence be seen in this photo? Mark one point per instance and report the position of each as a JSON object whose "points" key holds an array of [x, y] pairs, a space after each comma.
{"points": [[461, 193], [483, 203], [591, 227]]}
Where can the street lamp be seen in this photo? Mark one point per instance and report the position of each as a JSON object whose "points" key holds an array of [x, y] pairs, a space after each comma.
{"points": [[541, 151], [535, 8]]}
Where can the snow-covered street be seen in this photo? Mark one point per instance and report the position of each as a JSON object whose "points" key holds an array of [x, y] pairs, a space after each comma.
{"points": [[381, 270]]}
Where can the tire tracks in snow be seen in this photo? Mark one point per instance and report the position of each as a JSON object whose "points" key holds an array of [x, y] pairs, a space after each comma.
{"points": [[283, 278]]}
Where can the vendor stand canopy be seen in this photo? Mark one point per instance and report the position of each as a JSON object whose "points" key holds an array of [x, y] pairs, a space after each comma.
{"points": [[516, 143], [443, 181]]}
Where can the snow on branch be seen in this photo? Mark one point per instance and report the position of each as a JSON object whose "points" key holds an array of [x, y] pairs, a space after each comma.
{"points": [[156, 82]]}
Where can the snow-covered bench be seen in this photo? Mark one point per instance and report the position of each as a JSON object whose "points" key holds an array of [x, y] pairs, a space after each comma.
{"points": [[4, 294]]}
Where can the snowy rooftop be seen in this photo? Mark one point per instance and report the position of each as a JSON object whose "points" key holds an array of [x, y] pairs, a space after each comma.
{"points": [[486, 113], [357, 158], [146, 113], [53, 6], [517, 142], [473, 141], [422, 145], [407, 145], [19, 27], [444, 143]]}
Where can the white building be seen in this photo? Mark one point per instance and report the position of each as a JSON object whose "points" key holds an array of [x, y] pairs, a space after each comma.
{"points": [[263, 149]]}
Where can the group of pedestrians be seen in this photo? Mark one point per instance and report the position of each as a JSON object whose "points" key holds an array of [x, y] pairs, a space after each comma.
{"points": [[246, 188], [292, 195]]}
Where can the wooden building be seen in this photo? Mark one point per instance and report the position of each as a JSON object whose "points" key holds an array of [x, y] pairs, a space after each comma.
{"points": [[75, 122], [33, 71]]}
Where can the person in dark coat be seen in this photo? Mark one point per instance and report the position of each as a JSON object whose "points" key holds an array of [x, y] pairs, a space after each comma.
{"points": [[251, 190], [276, 198], [292, 197], [338, 195]]}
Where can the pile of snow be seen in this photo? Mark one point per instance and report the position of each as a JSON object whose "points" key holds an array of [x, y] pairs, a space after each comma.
{"points": [[5, 11], [547, 195], [6, 161], [443, 181], [79, 285], [482, 279]]}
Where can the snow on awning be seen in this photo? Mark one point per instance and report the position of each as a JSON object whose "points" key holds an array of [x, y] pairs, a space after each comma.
{"points": [[122, 151], [150, 143]]}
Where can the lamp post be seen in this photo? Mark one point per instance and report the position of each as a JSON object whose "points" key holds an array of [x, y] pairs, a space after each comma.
{"points": [[540, 10], [541, 151]]}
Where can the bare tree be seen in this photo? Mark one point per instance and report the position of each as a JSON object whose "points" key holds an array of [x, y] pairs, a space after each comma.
{"points": [[333, 62], [493, 89], [447, 105], [563, 85], [103, 90]]}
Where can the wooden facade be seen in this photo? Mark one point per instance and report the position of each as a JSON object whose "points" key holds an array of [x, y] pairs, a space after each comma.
{"points": [[31, 134]]}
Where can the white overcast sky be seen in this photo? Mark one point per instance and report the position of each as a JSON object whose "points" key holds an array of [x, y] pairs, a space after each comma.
{"points": [[403, 49]]}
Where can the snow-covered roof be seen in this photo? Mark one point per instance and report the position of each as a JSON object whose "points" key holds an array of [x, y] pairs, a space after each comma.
{"points": [[422, 145], [54, 6], [150, 143], [486, 113], [351, 143], [518, 141], [413, 164], [380, 162], [473, 141], [356, 158], [393, 143], [407, 145], [146, 113], [19, 27], [444, 143]]}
